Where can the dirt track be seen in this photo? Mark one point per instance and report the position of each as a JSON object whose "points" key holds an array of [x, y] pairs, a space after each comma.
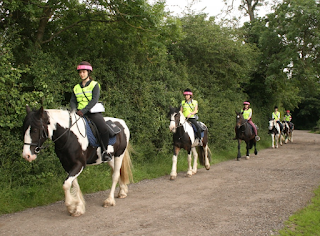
{"points": [[250, 197]]}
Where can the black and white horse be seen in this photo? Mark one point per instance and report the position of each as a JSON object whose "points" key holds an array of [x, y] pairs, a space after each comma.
{"points": [[68, 132], [274, 130], [286, 132], [184, 137], [244, 131], [289, 133]]}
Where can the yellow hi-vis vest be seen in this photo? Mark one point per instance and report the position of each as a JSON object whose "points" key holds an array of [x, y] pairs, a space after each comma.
{"points": [[276, 115], [287, 117], [187, 108], [246, 113], [84, 95]]}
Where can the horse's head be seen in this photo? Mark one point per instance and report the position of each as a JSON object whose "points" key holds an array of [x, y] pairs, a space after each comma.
{"points": [[240, 121], [175, 116], [272, 124], [35, 131]]}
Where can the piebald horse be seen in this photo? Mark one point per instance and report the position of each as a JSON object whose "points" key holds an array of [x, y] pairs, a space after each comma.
{"points": [[184, 137], [68, 131], [274, 130]]}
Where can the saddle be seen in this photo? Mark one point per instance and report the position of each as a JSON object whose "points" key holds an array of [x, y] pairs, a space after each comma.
{"points": [[202, 126], [93, 134]]}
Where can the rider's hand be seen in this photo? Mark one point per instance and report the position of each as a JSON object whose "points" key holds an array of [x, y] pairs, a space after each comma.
{"points": [[79, 113]]}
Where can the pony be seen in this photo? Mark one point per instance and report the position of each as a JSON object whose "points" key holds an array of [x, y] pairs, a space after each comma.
{"points": [[286, 132], [184, 137], [244, 131], [291, 128], [274, 130], [68, 132]]}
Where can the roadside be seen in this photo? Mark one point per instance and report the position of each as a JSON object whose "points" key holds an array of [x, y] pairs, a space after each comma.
{"points": [[250, 197]]}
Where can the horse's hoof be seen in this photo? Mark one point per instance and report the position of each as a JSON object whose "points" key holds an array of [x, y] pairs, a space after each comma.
{"points": [[208, 167], [173, 177], [238, 158], [188, 175], [109, 202], [247, 157]]}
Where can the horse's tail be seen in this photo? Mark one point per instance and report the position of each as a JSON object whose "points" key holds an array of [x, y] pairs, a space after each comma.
{"points": [[126, 167], [201, 154]]}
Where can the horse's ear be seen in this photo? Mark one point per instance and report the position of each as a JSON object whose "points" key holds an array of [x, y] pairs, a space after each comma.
{"points": [[28, 109]]}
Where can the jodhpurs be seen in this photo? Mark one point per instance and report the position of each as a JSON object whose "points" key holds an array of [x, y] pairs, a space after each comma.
{"points": [[195, 122], [99, 121], [253, 126]]}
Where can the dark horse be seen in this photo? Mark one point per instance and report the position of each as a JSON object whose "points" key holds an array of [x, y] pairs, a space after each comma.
{"points": [[244, 132], [68, 131], [184, 137]]}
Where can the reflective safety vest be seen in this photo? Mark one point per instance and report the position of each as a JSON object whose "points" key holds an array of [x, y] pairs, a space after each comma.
{"points": [[246, 113], [84, 95], [187, 108], [276, 115], [287, 117]]}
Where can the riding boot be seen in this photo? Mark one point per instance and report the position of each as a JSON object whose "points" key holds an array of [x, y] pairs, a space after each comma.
{"points": [[105, 155]]}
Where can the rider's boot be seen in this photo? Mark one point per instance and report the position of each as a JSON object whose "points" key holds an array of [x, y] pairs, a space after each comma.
{"points": [[105, 155]]}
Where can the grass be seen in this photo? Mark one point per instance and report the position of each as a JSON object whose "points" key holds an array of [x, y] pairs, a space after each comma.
{"points": [[305, 222]]}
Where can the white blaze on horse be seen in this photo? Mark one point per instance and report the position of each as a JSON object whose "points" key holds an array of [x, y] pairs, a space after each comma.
{"points": [[274, 130], [184, 137], [68, 132]]}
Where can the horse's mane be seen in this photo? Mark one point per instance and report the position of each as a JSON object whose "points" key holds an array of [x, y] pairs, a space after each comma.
{"points": [[173, 110]]}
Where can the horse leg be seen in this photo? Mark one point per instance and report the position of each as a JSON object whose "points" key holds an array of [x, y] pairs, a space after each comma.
{"points": [[276, 140], [115, 164], [272, 140], [239, 154], [173, 174], [192, 171], [255, 148], [206, 157], [247, 147], [280, 139], [74, 200]]}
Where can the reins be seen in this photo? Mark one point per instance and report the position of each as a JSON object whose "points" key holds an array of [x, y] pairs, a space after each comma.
{"points": [[39, 147]]}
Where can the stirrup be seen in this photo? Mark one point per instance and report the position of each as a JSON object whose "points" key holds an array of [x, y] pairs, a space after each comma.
{"points": [[257, 138]]}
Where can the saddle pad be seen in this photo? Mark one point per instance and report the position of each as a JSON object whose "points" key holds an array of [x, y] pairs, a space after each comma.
{"points": [[195, 130], [93, 140]]}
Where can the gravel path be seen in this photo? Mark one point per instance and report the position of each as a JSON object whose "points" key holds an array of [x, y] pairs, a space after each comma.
{"points": [[250, 197]]}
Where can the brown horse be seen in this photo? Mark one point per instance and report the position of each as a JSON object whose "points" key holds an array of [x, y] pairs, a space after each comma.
{"points": [[244, 131]]}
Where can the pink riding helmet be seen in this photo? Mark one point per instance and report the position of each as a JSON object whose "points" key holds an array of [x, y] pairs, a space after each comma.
{"points": [[187, 93], [84, 67], [246, 103]]}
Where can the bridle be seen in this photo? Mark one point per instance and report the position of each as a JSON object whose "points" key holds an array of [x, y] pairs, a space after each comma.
{"points": [[180, 124], [42, 131], [241, 124]]}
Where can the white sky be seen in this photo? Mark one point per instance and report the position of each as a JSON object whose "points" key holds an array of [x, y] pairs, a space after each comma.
{"points": [[212, 7]]}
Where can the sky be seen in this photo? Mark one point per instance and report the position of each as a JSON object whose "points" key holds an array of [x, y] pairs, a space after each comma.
{"points": [[212, 7]]}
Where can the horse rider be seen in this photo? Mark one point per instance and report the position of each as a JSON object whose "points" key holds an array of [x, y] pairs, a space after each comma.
{"points": [[287, 118], [85, 95], [276, 117], [247, 115], [189, 108]]}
